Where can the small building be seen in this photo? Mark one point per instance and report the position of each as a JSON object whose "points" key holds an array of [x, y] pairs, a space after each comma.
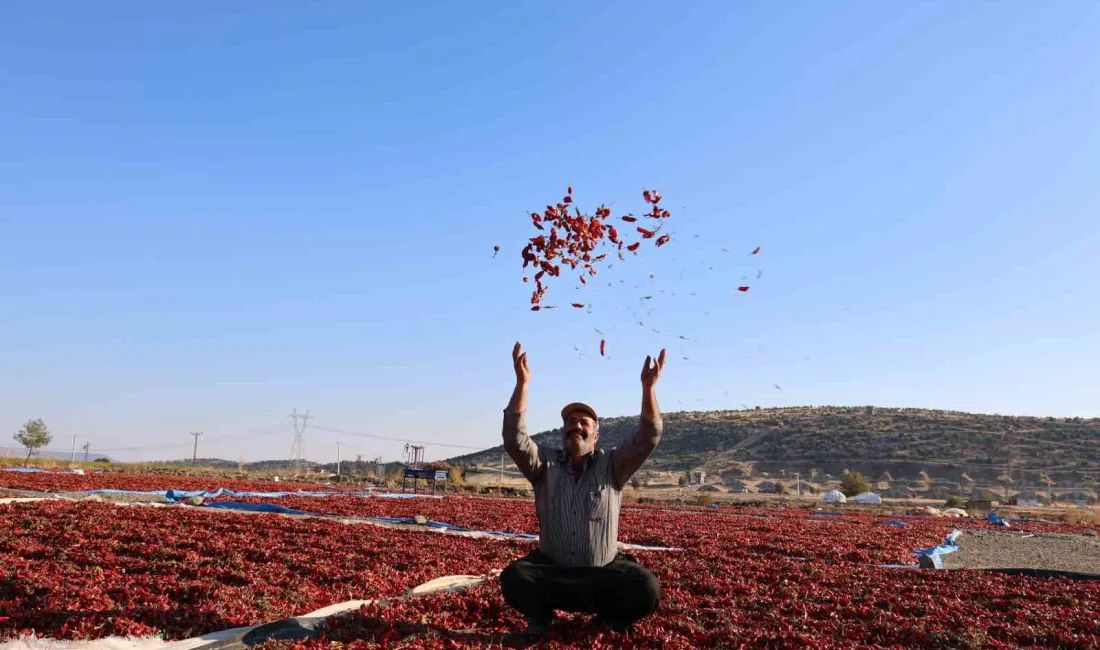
{"points": [[736, 486], [983, 499], [1029, 499]]}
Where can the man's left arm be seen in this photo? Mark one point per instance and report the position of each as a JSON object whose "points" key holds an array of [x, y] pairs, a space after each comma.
{"points": [[626, 460]]}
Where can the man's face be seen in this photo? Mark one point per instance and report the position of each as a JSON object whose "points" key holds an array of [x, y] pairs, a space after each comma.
{"points": [[580, 434]]}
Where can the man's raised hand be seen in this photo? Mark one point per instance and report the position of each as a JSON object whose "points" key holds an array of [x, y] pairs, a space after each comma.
{"points": [[651, 370], [519, 360]]}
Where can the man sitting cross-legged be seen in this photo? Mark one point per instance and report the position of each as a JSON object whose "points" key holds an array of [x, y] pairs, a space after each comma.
{"points": [[578, 490]]}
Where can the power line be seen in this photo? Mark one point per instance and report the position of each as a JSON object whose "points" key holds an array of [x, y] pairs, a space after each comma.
{"points": [[172, 445], [391, 439]]}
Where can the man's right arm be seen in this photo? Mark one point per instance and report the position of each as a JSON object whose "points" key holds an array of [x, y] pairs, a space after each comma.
{"points": [[517, 443], [520, 447]]}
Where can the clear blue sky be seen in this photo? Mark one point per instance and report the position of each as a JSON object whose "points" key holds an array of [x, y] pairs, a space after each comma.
{"points": [[212, 213]]}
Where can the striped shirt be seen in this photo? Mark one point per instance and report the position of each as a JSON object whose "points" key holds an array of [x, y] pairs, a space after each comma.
{"points": [[578, 515]]}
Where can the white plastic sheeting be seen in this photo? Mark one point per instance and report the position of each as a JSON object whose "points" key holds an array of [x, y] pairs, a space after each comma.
{"points": [[867, 498]]}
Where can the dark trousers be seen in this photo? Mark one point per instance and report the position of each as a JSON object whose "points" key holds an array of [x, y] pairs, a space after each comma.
{"points": [[620, 592]]}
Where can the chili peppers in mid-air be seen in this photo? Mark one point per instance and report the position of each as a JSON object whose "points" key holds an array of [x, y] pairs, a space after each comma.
{"points": [[576, 239]]}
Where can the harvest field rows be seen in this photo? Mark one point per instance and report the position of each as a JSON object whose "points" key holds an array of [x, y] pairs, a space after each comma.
{"points": [[753, 577]]}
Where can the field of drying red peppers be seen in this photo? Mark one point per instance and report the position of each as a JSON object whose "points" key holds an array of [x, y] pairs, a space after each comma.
{"points": [[745, 577]]}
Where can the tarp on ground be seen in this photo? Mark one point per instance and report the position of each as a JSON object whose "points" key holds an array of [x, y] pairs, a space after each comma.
{"points": [[256, 507], [38, 470], [867, 498], [833, 496], [179, 495], [935, 554], [273, 508], [176, 495]]}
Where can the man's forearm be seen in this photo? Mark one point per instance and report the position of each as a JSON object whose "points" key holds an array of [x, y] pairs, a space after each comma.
{"points": [[518, 403], [517, 443], [650, 410], [630, 457]]}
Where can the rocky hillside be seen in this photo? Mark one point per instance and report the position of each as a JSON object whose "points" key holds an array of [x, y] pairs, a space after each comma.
{"points": [[905, 444]]}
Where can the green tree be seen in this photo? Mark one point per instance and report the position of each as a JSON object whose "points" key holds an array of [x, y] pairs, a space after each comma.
{"points": [[853, 483], [34, 435]]}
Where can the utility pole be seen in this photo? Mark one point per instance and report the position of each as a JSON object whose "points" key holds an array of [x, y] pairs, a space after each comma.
{"points": [[74, 449], [195, 451], [338, 459], [87, 446], [502, 473], [300, 421], [798, 484]]}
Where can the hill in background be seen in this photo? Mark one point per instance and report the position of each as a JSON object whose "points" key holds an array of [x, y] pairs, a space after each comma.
{"points": [[898, 444]]}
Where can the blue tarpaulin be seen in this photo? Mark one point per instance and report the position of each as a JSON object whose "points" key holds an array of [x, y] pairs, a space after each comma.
{"points": [[178, 495], [935, 553], [895, 524], [255, 507], [270, 507], [996, 520]]}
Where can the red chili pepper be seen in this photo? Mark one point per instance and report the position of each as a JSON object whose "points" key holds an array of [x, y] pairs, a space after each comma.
{"points": [[742, 289], [579, 305], [603, 347], [575, 238], [755, 251], [633, 247]]}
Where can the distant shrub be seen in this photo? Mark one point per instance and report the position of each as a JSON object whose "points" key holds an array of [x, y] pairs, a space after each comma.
{"points": [[854, 483], [954, 502]]}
